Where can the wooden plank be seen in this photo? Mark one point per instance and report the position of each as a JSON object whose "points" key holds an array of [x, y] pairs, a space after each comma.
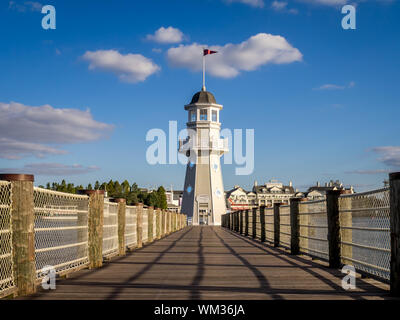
{"points": [[205, 262]]}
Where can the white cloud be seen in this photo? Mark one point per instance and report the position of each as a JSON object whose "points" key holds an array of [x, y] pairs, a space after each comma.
{"points": [[252, 3], [27, 130], [281, 6], [249, 55], [278, 5], [25, 5], [166, 35], [335, 86], [390, 155], [129, 67], [369, 172], [51, 169], [332, 3]]}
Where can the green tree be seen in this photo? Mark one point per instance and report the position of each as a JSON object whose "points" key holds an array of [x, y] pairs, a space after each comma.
{"points": [[162, 198], [97, 185]]}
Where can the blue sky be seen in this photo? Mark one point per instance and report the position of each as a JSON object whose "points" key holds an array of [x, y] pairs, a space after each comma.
{"points": [[330, 111]]}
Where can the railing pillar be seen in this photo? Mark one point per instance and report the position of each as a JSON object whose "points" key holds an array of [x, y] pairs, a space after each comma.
{"points": [[164, 215], [332, 210], [121, 225], [294, 226], [95, 227], [23, 234], [254, 224], [262, 223], [394, 182], [241, 222], [158, 223], [246, 222], [139, 225], [277, 224], [150, 217]]}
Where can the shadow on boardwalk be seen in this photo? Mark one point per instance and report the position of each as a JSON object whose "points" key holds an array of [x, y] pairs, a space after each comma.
{"points": [[211, 263]]}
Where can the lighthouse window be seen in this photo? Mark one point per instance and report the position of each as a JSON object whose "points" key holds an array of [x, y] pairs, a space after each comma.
{"points": [[192, 115], [214, 115], [203, 114]]}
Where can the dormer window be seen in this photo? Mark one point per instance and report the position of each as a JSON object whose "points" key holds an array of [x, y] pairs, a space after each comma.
{"points": [[203, 114]]}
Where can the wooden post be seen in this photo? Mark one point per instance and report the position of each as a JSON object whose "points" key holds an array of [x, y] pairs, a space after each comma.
{"points": [[394, 181], [277, 224], [254, 224], [158, 223], [294, 226], [139, 225], [23, 234], [246, 222], [121, 225], [164, 214], [262, 223], [95, 227], [241, 222], [332, 210], [150, 216]]}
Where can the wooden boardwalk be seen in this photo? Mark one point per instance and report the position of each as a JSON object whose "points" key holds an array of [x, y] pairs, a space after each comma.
{"points": [[210, 263]]}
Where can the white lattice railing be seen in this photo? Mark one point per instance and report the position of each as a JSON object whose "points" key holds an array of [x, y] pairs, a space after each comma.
{"points": [[145, 224], [110, 229], [6, 263], [284, 226], [313, 229], [365, 231], [130, 226], [61, 230], [269, 224]]}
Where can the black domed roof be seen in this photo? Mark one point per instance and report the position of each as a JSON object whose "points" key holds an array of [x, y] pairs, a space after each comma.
{"points": [[203, 97]]}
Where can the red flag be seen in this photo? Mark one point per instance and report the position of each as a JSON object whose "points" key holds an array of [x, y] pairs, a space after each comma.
{"points": [[207, 51]]}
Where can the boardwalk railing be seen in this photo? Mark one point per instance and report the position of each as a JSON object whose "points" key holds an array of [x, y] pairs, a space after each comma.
{"points": [[362, 229], [42, 229]]}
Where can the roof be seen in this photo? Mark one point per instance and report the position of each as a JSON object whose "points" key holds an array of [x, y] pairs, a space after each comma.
{"points": [[203, 97], [259, 189]]}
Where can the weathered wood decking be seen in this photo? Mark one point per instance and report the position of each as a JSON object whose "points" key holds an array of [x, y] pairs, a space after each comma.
{"points": [[210, 263]]}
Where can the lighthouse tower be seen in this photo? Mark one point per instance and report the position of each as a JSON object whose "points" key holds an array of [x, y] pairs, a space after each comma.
{"points": [[203, 194]]}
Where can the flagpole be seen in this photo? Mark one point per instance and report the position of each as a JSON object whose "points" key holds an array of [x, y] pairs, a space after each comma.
{"points": [[204, 73]]}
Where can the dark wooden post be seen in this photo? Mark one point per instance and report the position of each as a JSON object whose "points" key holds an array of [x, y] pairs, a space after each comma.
{"points": [[262, 223], [139, 225], [277, 224], [254, 224], [23, 234], [121, 225], [236, 221], [394, 182], [294, 226], [150, 216], [241, 222], [332, 210], [95, 227]]}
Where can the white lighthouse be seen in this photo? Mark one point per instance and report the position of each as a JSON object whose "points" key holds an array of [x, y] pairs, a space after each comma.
{"points": [[203, 194]]}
